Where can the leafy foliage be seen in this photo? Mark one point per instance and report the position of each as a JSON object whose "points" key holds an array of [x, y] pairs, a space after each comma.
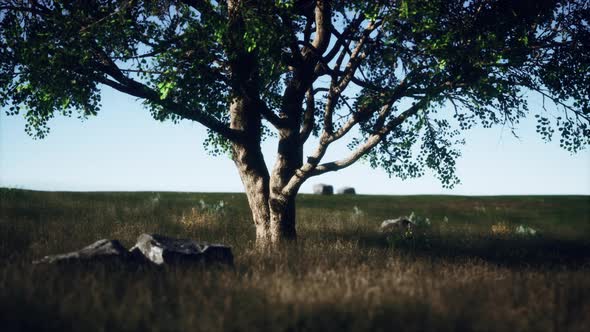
{"points": [[410, 75]]}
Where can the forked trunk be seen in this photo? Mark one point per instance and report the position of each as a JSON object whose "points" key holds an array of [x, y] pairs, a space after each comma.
{"points": [[274, 219], [272, 210], [273, 215]]}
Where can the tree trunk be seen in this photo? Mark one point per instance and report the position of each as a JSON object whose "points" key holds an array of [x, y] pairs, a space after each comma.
{"points": [[272, 210], [247, 156], [255, 178], [273, 214], [282, 204], [282, 219]]}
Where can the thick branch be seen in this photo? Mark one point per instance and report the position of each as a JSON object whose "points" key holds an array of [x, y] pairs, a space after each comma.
{"points": [[369, 144], [134, 88], [270, 116], [338, 86], [311, 168], [198, 116], [309, 116], [322, 24], [343, 38], [362, 83]]}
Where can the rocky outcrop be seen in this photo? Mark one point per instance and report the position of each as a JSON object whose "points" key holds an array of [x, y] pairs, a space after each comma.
{"points": [[150, 249], [161, 250], [100, 251]]}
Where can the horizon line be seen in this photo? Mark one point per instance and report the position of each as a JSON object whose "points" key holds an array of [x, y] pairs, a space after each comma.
{"points": [[304, 193]]}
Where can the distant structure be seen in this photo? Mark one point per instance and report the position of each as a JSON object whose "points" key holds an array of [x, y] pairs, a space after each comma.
{"points": [[346, 191], [323, 189]]}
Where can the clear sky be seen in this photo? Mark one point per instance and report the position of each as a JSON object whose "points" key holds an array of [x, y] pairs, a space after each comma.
{"points": [[124, 149]]}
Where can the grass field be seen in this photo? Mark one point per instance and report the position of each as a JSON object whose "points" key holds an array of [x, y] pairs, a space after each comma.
{"points": [[468, 271]]}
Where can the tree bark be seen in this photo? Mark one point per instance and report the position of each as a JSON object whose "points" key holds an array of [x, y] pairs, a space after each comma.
{"points": [[282, 204], [273, 210], [282, 219], [245, 117], [255, 178], [247, 156]]}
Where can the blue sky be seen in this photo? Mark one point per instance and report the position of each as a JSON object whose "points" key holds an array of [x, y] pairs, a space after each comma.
{"points": [[124, 149]]}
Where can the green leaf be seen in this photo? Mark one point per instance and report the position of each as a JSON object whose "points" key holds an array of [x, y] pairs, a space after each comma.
{"points": [[164, 88], [404, 9]]}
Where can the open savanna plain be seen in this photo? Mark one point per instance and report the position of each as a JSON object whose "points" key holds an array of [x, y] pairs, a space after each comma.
{"points": [[469, 270]]}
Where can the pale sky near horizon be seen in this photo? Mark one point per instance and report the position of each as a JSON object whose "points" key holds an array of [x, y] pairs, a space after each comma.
{"points": [[124, 149]]}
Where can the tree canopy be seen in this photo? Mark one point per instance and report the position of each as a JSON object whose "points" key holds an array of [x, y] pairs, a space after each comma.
{"points": [[402, 77]]}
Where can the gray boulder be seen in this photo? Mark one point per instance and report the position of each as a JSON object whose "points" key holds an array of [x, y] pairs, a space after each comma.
{"points": [[399, 225], [165, 250], [346, 191], [323, 189], [100, 251]]}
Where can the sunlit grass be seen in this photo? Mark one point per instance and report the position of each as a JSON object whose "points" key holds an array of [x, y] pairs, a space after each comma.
{"points": [[342, 274]]}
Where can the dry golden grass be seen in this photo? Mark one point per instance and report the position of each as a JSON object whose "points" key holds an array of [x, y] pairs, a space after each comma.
{"points": [[342, 275]]}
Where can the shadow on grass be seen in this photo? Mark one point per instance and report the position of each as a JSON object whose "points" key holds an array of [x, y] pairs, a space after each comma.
{"points": [[538, 251], [108, 296]]}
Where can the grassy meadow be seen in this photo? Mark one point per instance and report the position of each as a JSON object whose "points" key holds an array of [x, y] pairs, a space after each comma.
{"points": [[466, 271]]}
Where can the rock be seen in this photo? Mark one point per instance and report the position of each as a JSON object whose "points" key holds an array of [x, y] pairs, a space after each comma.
{"points": [[100, 251], [346, 191], [323, 189], [399, 225], [165, 250]]}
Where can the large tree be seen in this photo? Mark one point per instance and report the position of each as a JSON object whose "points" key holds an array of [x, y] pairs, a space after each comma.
{"points": [[399, 78]]}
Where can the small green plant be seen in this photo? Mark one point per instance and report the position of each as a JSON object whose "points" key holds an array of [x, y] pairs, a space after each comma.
{"points": [[204, 213], [415, 232], [213, 208], [419, 221], [357, 213], [419, 233], [524, 230]]}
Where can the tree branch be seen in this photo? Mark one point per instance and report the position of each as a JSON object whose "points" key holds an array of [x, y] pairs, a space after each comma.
{"points": [[323, 23], [269, 115], [313, 168], [341, 38], [308, 116], [338, 86], [369, 144], [362, 83], [134, 88], [174, 108], [203, 7]]}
